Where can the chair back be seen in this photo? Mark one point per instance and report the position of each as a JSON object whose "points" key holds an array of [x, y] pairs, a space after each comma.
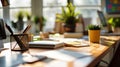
{"points": [[115, 62]]}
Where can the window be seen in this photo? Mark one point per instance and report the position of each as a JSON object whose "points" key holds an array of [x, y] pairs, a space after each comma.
{"points": [[50, 8], [19, 5], [54, 2], [87, 2], [1, 13], [88, 8]]}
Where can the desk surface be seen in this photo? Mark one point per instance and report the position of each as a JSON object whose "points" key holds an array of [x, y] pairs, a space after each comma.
{"points": [[71, 56]]}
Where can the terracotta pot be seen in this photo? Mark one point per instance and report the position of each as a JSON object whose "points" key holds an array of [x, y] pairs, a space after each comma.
{"points": [[94, 36]]}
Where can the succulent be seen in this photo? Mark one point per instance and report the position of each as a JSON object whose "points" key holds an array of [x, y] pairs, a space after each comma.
{"points": [[93, 27]]}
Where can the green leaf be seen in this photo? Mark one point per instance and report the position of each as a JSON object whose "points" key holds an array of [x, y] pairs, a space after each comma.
{"points": [[94, 27], [69, 14]]}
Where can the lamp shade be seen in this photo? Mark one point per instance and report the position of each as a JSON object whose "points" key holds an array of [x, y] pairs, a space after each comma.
{"points": [[4, 3]]}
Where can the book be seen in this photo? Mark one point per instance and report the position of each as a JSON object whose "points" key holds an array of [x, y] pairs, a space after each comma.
{"points": [[46, 44]]}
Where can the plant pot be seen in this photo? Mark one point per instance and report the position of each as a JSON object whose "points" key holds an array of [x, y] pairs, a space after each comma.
{"points": [[69, 28], [94, 36]]}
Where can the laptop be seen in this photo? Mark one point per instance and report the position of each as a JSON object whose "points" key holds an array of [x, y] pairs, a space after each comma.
{"points": [[105, 32], [102, 18]]}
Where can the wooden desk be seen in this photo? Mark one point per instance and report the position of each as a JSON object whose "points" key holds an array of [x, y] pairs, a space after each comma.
{"points": [[81, 56]]}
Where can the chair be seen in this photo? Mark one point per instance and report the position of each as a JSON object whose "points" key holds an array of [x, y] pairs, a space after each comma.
{"points": [[115, 62]]}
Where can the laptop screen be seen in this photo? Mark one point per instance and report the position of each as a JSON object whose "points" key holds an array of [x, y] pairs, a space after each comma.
{"points": [[102, 18]]}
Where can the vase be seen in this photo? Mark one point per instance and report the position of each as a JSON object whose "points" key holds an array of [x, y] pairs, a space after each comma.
{"points": [[94, 36]]}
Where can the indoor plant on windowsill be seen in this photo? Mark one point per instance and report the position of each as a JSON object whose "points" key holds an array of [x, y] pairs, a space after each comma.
{"points": [[115, 23], [69, 17], [94, 33], [40, 22], [20, 22]]}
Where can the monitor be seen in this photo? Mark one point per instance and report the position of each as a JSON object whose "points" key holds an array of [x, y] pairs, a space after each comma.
{"points": [[102, 18]]}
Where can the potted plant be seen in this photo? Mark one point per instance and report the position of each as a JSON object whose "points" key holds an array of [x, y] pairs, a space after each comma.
{"points": [[69, 17], [94, 33], [20, 22], [40, 21], [115, 23]]}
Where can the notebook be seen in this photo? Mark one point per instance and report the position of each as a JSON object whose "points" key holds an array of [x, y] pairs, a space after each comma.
{"points": [[110, 34], [46, 44]]}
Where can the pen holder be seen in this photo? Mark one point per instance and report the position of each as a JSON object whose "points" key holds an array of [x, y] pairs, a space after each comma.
{"points": [[19, 42]]}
